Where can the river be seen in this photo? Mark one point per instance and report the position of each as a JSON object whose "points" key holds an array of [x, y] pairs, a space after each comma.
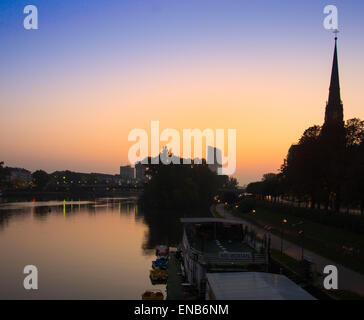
{"points": [[101, 249]]}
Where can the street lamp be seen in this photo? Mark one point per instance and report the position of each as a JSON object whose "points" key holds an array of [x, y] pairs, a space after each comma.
{"points": [[283, 222], [301, 234]]}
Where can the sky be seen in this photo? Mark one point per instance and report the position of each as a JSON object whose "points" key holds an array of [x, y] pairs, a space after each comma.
{"points": [[72, 90]]}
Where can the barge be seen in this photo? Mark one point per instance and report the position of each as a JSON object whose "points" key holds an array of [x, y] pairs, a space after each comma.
{"points": [[214, 245]]}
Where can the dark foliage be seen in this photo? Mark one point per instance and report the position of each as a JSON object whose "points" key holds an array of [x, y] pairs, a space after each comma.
{"points": [[325, 169], [40, 179], [179, 186], [4, 173]]}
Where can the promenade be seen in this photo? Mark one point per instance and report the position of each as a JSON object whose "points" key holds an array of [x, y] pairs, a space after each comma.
{"points": [[348, 279]]}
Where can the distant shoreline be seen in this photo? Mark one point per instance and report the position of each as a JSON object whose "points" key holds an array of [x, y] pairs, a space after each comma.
{"points": [[46, 195]]}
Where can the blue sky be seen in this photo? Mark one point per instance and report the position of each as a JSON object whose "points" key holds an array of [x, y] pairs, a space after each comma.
{"points": [[105, 45]]}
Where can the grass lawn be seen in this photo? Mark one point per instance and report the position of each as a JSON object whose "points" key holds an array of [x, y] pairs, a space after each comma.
{"points": [[295, 265], [319, 238], [288, 261], [345, 295]]}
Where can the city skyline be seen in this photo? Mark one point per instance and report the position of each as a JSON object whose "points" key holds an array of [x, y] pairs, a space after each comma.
{"points": [[86, 80]]}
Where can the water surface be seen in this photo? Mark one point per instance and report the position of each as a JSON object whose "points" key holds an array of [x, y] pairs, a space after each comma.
{"points": [[83, 249]]}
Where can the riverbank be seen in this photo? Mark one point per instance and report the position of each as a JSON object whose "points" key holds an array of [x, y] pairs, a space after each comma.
{"points": [[334, 243], [348, 279], [174, 282]]}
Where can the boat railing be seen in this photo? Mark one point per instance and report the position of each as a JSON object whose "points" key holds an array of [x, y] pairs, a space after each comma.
{"points": [[214, 258], [255, 258]]}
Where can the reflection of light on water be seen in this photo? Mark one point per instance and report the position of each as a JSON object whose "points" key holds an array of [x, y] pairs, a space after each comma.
{"points": [[36, 204], [94, 236]]}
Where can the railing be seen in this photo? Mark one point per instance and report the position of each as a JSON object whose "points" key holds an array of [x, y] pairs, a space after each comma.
{"points": [[256, 258], [214, 259]]}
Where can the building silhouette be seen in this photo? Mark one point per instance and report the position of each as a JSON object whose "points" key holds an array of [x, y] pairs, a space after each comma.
{"points": [[334, 114], [214, 159], [126, 173], [140, 170], [333, 140]]}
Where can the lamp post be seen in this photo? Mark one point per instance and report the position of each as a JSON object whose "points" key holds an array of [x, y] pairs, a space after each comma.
{"points": [[283, 222], [301, 234]]}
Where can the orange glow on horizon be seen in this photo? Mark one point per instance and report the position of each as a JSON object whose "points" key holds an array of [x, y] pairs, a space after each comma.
{"points": [[87, 126]]}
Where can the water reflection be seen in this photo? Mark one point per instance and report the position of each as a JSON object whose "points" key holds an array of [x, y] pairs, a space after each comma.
{"points": [[164, 228], [100, 249]]}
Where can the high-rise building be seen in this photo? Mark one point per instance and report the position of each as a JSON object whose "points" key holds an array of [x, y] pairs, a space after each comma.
{"points": [[214, 159], [140, 171], [126, 172]]}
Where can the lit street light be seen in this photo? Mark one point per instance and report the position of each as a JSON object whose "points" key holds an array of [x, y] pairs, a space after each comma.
{"points": [[283, 222]]}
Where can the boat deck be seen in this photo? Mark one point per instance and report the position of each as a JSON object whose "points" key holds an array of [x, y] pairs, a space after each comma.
{"points": [[217, 246]]}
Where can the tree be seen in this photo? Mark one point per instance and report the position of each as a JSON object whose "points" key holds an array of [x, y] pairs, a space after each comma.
{"points": [[353, 187], [231, 183], [302, 168], [40, 179], [179, 186], [354, 133], [4, 173]]}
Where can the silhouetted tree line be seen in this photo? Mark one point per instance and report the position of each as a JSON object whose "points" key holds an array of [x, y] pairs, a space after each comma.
{"points": [[180, 186], [4, 174], [80, 184], [325, 169], [40, 179]]}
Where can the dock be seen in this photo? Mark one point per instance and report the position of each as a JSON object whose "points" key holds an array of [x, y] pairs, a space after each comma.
{"points": [[174, 282]]}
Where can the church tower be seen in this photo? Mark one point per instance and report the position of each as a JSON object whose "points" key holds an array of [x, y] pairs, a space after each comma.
{"points": [[332, 139], [334, 115]]}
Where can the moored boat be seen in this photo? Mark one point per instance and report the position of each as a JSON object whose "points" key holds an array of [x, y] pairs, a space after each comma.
{"points": [[162, 251], [152, 295], [158, 275], [160, 263]]}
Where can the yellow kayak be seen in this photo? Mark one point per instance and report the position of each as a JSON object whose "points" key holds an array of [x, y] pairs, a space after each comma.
{"points": [[152, 295], [158, 274]]}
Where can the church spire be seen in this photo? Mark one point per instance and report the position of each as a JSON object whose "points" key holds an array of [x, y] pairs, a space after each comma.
{"points": [[334, 109], [334, 84]]}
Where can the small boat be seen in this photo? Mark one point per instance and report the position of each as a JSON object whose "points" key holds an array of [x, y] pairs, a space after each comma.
{"points": [[162, 251], [159, 263], [152, 295], [165, 258], [158, 274]]}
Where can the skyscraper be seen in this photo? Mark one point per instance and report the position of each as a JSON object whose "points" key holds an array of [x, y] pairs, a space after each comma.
{"points": [[126, 173], [214, 159], [140, 171]]}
